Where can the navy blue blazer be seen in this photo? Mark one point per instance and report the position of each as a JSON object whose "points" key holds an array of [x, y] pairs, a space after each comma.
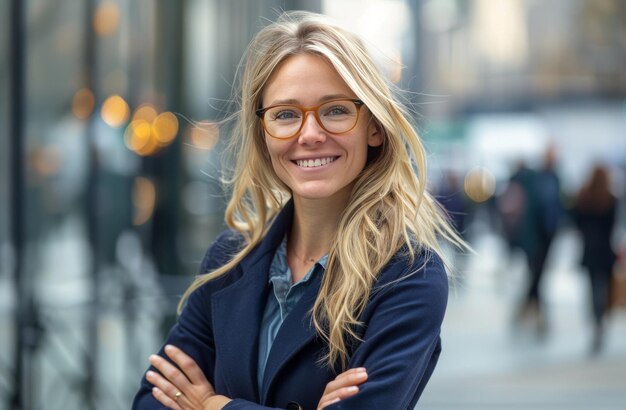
{"points": [[219, 329]]}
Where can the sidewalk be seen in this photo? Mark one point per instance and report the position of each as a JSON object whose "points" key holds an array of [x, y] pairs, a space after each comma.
{"points": [[487, 363]]}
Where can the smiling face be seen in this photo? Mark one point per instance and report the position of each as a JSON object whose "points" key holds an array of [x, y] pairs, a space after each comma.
{"points": [[317, 164]]}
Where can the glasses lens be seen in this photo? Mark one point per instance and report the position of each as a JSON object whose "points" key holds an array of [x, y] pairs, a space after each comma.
{"points": [[283, 121], [338, 116]]}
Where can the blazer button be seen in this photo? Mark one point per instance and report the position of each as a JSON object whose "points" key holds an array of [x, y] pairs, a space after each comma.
{"points": [[292, 405]]}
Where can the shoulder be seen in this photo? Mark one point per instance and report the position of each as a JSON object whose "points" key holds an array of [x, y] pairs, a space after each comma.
{"points": [[410, 296], [222, 250], [422, 277], [423, 263]]}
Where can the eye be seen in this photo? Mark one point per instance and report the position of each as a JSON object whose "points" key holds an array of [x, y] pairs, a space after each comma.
{"points": [[336, 109], [285, 115]]}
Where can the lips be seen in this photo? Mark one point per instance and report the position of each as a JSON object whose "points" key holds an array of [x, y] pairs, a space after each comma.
{"points": [[314, 162]]}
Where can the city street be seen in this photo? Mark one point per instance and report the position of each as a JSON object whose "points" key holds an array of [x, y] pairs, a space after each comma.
{"points": [[488, 363]]}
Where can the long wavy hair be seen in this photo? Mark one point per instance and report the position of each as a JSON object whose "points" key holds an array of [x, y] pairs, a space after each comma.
{"points": [[389, 207]]}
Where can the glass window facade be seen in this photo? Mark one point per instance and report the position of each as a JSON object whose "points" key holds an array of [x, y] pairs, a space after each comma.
{"points": [[120, 152]]}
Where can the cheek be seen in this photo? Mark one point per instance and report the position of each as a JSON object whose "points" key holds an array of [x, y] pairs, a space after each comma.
{"points": [[274, 166], [360, 148], [275, 152], [271, 150]]}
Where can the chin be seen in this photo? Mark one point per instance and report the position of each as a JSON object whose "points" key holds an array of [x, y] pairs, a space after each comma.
{"points": [[312, 195], [321, 193]]}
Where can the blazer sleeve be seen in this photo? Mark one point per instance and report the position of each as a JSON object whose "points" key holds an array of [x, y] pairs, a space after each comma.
{"points": [[193, 331], [401, 342]]}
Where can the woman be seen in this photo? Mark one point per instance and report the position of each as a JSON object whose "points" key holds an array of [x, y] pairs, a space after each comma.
{"points": [[328, 291], [595, 214]]}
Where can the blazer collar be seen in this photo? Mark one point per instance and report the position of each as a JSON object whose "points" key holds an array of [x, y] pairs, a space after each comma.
{"points": [[279, 227]]}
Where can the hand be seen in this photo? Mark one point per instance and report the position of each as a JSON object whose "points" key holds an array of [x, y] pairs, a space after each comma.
{"points": [[345, 385], [184, 389]]}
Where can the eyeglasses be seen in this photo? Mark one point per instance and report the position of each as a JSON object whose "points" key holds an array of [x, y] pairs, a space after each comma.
{"points": [[285, 121]]}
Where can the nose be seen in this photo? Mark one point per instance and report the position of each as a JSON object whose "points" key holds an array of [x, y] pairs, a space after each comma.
{"points": [[311, 132]]}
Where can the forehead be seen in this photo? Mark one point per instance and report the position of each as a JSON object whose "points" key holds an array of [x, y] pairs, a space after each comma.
{"points": [[305, 78]]}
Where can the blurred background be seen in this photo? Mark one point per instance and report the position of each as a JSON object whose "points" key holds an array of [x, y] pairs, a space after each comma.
{"points": [[110, 159]]}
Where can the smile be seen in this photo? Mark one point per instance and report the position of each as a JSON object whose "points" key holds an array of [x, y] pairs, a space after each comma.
{"points": [[317, 162]]}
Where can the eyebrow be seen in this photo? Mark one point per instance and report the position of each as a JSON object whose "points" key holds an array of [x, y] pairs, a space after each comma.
{"points": [[293, 101]]}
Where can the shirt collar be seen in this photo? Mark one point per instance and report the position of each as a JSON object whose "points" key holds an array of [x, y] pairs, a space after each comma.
{"points": [[280, 269]]}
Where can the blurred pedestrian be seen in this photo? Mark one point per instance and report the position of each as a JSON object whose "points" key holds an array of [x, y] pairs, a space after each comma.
{"points": [[595, 214], [531, 211], [328, 291], [518, 207], [546, 192]]}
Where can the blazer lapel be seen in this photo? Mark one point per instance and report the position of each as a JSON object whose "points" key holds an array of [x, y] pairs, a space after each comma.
{"points": [[237, 312], [295, 332], [236, 319]]}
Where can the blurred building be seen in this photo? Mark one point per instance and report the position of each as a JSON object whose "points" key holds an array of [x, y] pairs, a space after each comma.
{"points": [[111, 145], [513, 77]]}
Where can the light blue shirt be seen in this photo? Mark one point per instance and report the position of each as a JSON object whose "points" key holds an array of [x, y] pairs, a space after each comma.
{"points": [[281, 301]]}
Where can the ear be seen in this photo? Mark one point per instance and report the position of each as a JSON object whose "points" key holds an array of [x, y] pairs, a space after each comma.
{"points": [[375, 133]]}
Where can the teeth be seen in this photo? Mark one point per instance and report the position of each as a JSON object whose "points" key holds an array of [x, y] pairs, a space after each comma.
{"points": [[318, 162]]}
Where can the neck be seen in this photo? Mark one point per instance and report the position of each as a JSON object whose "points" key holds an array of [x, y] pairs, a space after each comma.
{"points": [[314, 226]]}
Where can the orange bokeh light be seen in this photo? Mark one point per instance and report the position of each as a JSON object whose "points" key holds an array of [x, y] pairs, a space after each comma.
{"points": [[137, 135], [150, 131], [204, 135], [479, 184], [144, 199], [83, 103], [165, 128], [145, 112], [106, 19], [115, 111]]}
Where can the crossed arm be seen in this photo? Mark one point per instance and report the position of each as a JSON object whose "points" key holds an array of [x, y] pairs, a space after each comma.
{"points": [[399, 349], [186, 387]]}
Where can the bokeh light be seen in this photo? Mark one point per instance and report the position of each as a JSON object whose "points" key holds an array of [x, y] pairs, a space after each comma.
{"points": [[144, 199], [46, 160], [149, 131], [115, 111], [145, 112], [137, 135], [165, 128], [83, 103], [204, 135], [480, 184], [106, 19]]}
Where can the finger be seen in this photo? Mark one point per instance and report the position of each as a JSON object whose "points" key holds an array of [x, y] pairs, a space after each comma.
{"points": [[327, 403], [187, 364], [170, 372], [162, 384], [339, 394], [345, 380], [351, 371], [164, 399]]}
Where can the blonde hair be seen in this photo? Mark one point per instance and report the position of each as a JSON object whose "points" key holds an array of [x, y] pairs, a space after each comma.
{"points": [[389, 208]]}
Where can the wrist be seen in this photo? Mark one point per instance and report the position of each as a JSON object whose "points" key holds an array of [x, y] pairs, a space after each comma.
{"points": [[216, 402]]}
